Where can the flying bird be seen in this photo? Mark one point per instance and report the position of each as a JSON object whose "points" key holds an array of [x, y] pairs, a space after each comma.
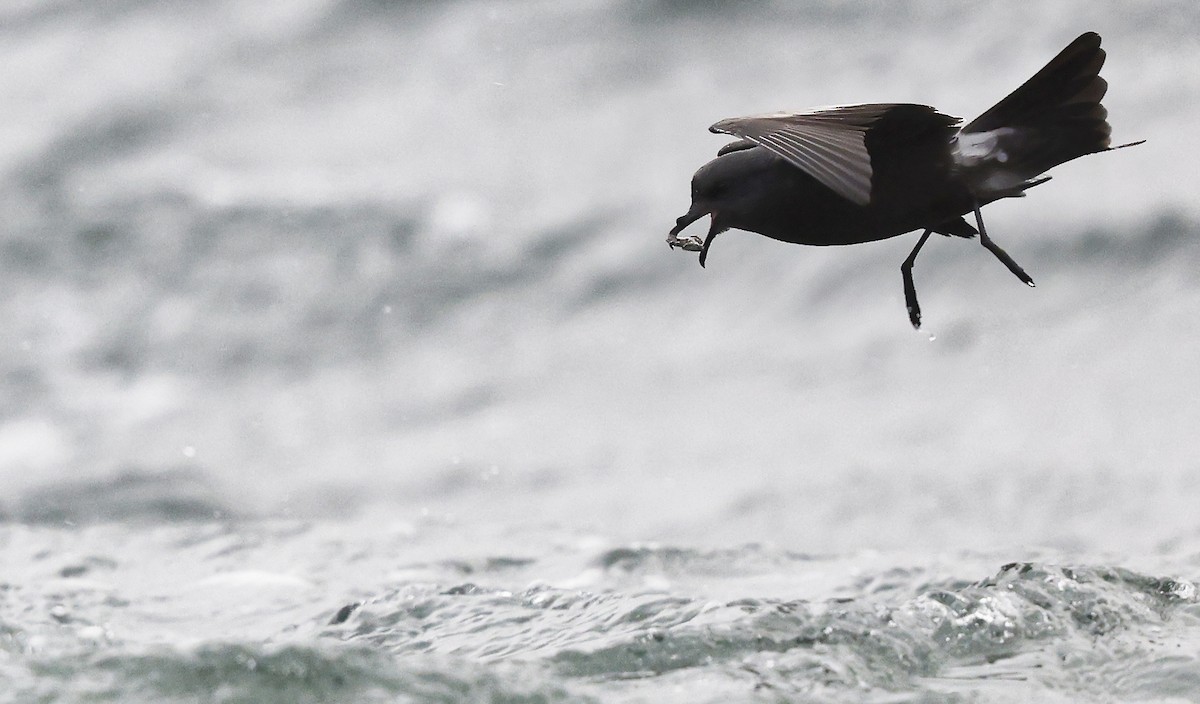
{"points": [[860, 173]]}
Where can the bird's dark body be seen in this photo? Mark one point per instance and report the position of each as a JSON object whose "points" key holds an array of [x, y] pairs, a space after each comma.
{"points": [[913, 186], [861, 173]]}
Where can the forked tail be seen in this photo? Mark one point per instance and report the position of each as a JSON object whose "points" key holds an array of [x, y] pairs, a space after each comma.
{"points": [[1054, 117]]}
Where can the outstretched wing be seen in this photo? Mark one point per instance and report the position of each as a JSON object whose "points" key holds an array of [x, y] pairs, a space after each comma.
{"points": [[829, 144]]}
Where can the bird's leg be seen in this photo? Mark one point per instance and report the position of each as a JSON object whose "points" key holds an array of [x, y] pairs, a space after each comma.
{"points": [[1000, 253], [910, 291], [713, 231]]}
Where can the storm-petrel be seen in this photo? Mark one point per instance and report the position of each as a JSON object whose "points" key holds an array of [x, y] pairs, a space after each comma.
{"points": [[860, 173]]}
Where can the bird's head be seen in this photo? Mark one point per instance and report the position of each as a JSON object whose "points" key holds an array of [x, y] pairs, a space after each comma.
{"points": [[715, 187], [727, 188]]}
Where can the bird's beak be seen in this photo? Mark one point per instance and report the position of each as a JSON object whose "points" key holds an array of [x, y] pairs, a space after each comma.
{"points": [[698, 211]]}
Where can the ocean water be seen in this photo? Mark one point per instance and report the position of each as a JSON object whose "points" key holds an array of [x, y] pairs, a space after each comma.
{"points": [[343, 360]]}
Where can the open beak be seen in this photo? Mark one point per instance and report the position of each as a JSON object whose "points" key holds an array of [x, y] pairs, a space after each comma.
{"points": [[698, 211], [692, 243]]}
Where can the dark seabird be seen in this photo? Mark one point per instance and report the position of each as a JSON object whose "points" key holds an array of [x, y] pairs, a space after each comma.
{"points": [[861, 173]]}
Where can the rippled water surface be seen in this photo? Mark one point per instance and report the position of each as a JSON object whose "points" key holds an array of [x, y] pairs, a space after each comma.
{"points": [[279, 611], [343, 360]]}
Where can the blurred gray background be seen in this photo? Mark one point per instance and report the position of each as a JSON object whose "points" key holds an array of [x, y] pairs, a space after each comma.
{"points": [[306, 257]]}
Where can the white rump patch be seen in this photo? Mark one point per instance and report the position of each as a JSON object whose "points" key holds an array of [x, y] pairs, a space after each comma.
{"points": [[973, 149], [989, 160]]}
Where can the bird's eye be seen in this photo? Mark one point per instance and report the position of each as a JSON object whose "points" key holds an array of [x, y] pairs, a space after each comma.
{"points": [[706, 190]]}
